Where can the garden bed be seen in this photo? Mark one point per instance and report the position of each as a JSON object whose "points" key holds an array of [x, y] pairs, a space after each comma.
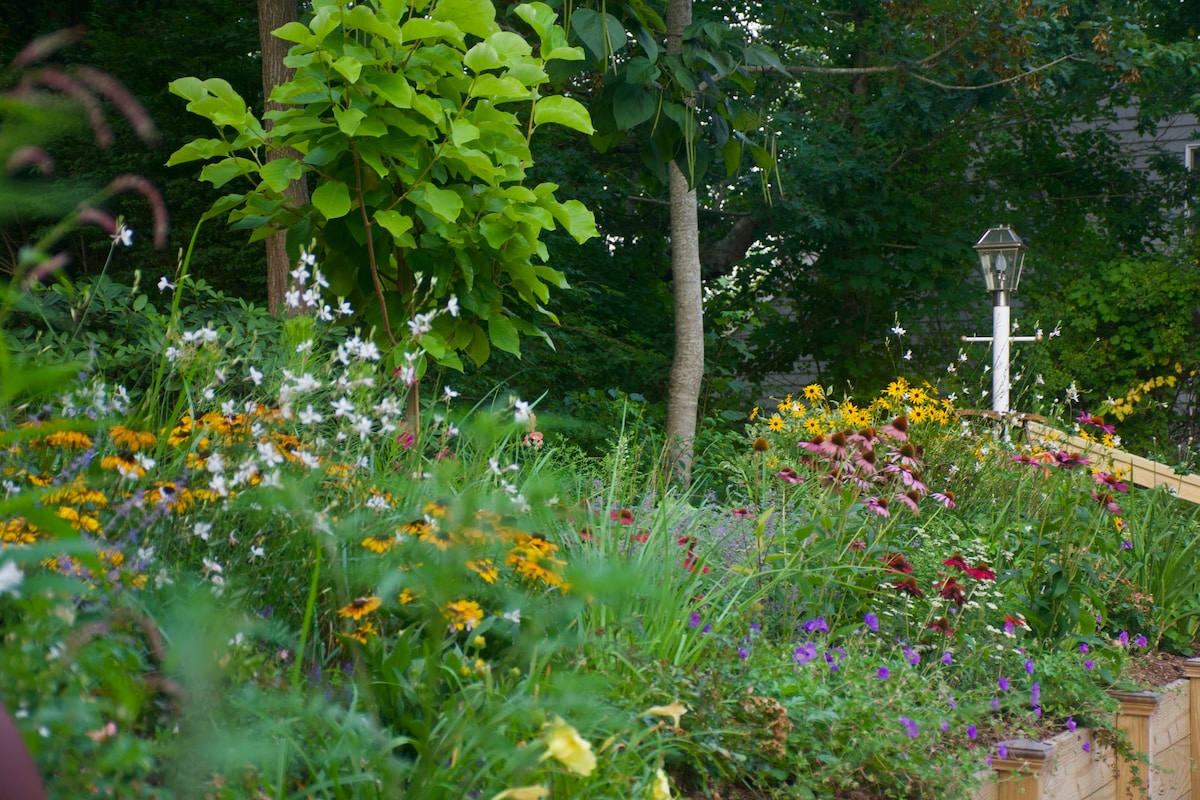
{"points": [[1072, 765]]}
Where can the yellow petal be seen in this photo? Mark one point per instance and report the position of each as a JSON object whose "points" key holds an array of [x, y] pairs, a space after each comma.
{"points": [[523, 793], [566, 745], [674, 711], [661, 788]]}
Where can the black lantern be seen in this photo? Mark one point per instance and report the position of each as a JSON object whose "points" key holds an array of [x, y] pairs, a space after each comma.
{"points": [[1001, 256]]}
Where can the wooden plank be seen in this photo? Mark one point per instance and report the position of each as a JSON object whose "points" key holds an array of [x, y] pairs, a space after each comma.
{"points": [[1171, 773], [1076, 774], [1138, 471], [1171, 723]]}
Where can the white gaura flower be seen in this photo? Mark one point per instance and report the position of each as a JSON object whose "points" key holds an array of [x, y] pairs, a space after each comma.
{"points": [[165, 285], [124, 235], [452, 306], [896, 329], [342, 407], [256, 376], [310, 416], [521, 411], [11, 577], [257, 552]]}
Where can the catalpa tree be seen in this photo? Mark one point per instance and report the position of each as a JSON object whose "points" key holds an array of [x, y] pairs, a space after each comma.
{"points": [[412, 122]]}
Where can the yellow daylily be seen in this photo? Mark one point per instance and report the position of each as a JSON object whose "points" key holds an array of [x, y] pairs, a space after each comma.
{"points": [[523, 793], [566, 745], [674, 711], [661, 788]]}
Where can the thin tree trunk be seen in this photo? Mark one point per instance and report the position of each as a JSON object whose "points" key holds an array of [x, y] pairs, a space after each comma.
{"points": [[273, 14], [687, 366]]}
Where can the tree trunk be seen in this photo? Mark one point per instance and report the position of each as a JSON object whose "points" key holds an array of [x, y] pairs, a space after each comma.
{"points": [[687, 367], [273, 14]]}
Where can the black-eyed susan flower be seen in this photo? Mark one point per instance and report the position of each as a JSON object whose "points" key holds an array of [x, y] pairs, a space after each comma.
{"points": [[68, 440], [485, 569], [463, 614], [775, 423], [364, 632], [130, 440], [359, 607], [406, 596], [378, 543]]}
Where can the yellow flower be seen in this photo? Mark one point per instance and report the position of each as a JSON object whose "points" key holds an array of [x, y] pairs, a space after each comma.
{"points": [[406, 596], [360, 607], [379, 543], [564, 744], [661, 788], [674, 711], [485, 569], [74, 440], [813, 392], [523, 793], [464, 614], [364, 631], [754, 414], [775, 423], [784, 403], [896, 388], [131, 440]]}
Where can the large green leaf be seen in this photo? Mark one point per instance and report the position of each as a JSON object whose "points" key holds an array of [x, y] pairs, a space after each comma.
{"points": [[601, 33], [279, 172], [632, 105], [477, 17], [563, 111], [332, 199], [504, 335]]}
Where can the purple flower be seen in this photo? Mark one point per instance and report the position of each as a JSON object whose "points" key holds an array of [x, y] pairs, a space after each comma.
{"points": [[995, 704], [951, 701], [694, 620], [1089, 664], [947, 659], [972, 732], [1029, 666], [1140, 641], [1035, 694], [1126, 545], [1002, 750], [743, 653], [883, 673], [1070, 723], [1083, 648], [804, 653], [910, 727], [945, 726], [911, 656], [1087, 747], [872, 622], [817, 624], [1009, 627], [1003, 683], [1124, 638]]}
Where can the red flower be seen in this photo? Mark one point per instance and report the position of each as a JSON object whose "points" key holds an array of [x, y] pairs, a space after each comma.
{"points": [[1015, 622], [955, 561], [586, 534], [942, 625], [895, 562], [1066, 459], [908, 585], [952, 590], [624, 516], [641, 536], [981, 571]]}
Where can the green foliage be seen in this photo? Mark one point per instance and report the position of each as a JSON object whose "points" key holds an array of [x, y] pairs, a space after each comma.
{"points": [[400, 116]]}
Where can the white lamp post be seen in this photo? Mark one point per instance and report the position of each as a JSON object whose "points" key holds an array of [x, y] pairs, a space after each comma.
{"points": [[1001, 257]]}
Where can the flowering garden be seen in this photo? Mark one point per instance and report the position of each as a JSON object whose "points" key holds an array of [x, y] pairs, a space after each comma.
{"points": [[262, 579], [249, 556]]}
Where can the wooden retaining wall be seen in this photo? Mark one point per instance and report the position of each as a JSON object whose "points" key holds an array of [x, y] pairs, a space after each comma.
{"points": [[1165, 724]]}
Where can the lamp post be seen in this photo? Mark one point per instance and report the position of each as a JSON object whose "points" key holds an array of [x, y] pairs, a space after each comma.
{"points": [[1001, 257]]}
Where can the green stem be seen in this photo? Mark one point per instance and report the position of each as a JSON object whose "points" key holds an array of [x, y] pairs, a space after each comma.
{"points": [[308, 616]]}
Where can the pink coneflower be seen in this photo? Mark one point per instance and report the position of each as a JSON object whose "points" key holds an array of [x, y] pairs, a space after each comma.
{"points": [[909, 500], [1111, 481], [898, 429], [956, 561], [789, 475], [1066, 459], [878, 505], [946, 498], [1106, 500], [624, 516]]}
